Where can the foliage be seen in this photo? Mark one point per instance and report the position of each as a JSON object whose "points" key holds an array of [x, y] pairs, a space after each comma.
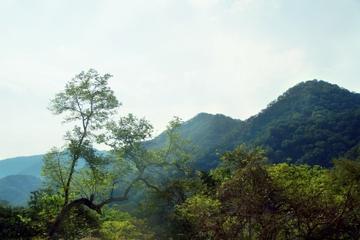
{"points": [[86, 179], [13, 224], [89, 102], [43, 208], [254, 200], [201, 211], [121, 225], [170, 181]]}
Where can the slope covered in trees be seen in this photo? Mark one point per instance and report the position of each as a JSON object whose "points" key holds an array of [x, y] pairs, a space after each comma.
{"points": [[310, 123], [207, 132], [313, 122]]}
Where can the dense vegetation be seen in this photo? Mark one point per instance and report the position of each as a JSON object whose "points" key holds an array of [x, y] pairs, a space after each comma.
{"points": [[311, 123], [157, 189], [245, 198]]}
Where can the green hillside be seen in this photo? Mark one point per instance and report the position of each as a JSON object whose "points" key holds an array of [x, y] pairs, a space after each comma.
{"points": [[312, 123], [207, 132]]}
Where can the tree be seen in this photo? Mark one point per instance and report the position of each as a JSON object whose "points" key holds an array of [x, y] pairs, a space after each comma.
{"points": [[86, 177], [243, 202], [204, 214], [164, 174], [89, 102]]}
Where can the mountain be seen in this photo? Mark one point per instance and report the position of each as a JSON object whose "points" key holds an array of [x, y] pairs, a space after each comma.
{"points": [[16, 189], [206, 132], [30, 165], [312, 122]]}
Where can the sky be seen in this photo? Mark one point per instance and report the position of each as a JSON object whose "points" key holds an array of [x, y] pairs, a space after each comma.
{"points": [[167, 57]]}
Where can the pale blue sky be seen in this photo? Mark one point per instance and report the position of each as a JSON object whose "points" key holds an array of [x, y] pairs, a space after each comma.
{"points": [[168, 57]]}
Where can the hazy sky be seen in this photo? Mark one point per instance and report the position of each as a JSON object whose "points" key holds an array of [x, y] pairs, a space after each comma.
{"points": [[168, 57]]}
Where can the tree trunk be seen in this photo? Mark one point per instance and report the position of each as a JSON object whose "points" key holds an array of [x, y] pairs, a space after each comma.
{"points": [[66, 210]]}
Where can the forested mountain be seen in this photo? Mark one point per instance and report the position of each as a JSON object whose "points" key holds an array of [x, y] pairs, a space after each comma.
{"points": [[208, 133], [313, 122], [16, 189], [310, 123]]}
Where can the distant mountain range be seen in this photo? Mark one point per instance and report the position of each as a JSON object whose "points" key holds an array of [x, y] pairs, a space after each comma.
{"points": [[312, 122], [30, 165]]}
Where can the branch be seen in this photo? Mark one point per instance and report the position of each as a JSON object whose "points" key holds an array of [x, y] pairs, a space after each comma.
{"points": [[96, 207], [60, 171], [65, 211], [150, 185], [119, 198]]}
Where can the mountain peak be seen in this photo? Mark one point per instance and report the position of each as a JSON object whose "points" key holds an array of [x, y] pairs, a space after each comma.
{"points": [[209, 116], [312, 123], [313, 95], [316, 86]]}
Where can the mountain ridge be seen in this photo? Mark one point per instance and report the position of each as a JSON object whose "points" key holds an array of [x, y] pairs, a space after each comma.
{"points": [[28, 165], [308, 100], [294, 128], [311, 123]]}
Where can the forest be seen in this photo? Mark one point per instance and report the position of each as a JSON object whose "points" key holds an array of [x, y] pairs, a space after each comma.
{"points": [[290, 172]]}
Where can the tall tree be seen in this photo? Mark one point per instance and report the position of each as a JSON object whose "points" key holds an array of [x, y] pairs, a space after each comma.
{"points": [[89, 102], [83, 176]]}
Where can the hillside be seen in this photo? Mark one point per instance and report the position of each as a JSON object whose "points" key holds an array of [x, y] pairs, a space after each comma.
{"points": [[16, 189], [206, 132], [313, 122]]}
